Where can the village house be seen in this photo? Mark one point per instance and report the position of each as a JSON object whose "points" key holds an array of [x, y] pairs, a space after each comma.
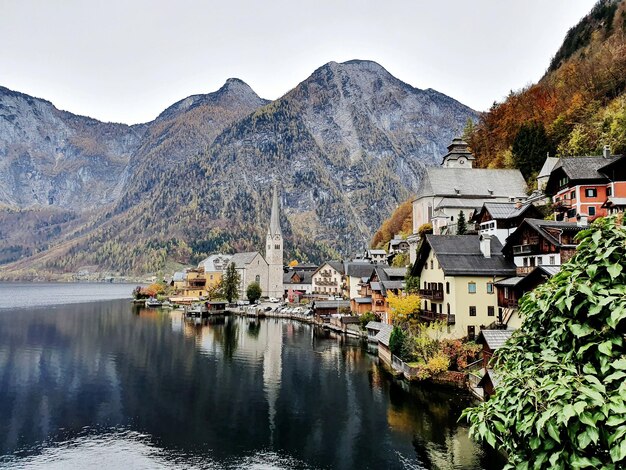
{"points": [[398, 245], [354, 272], [539, 242], [511, 290], [297, 283], [501, 219], [385, 280], [377, 256], [457, 274], [328, 279], [194, 283], [214, 266], [456, 186], [587, 187], [492, 340]]}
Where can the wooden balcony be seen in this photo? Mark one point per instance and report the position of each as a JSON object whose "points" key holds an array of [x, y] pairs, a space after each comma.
{"points": [[430, 294], [528, 249], [428, 315], [507, 303]]}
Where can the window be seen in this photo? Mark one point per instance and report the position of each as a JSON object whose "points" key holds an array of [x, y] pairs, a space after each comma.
{"points": [[451, 218], [609, 191], [525, 261], [552, 260], [269, 247], [491, 311], [257, 279], [471, 332], [448, 308], [591, 192], [432, 263], [471, 287], [539, 260], [447, 287], [472, 311], [572, 195], [592, 211], [425, 285], [490, 288], [277, 247]]}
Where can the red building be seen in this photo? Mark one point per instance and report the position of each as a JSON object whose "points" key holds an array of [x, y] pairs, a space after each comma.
{"points": [[588, 187]]}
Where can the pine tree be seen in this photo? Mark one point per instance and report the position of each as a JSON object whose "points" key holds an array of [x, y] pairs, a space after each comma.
{"points": [[230, 283], [461, 226]]}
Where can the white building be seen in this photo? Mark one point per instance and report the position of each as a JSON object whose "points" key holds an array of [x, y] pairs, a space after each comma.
{"points": [[456, 186]]}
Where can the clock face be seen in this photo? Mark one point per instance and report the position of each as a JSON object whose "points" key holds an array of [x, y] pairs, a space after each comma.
{"points": [[461, 160], [276, 237]]}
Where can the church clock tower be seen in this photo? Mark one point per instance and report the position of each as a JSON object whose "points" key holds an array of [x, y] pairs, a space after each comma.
{"points": [[274, 252]]}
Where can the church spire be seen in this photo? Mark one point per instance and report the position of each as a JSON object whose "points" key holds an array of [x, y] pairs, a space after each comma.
{"points": [[274, 228]]}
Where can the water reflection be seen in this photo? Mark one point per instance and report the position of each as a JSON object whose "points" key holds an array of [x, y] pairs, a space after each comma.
{"points": [[224, 393]]}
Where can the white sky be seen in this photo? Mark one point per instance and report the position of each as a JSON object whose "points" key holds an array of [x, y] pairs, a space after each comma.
{"points": [[127, 60]]}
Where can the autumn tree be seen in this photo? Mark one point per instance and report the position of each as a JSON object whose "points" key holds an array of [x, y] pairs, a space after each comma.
{"points": [[403, 307], [561, 396]]}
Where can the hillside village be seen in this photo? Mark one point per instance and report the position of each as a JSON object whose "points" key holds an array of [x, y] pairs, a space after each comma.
{"points": [[479, 243]]}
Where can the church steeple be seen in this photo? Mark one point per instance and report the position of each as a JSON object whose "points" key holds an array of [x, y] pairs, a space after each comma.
{"points": [[274, 228], [274, 252]]}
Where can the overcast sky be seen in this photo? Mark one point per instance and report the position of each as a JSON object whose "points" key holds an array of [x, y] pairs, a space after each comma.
{"points": [[127, 60]]}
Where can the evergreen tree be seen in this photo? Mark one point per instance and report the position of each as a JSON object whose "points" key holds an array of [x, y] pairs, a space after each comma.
{"points": [[530, 148], [461, 225], [230, 283], [253, 292]]}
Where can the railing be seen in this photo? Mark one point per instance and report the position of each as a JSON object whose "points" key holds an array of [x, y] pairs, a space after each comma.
{"points": [[508, 303], [523, 270], [431, 294], [322, 282], [325, 274], [428, 315], [562, 206]]}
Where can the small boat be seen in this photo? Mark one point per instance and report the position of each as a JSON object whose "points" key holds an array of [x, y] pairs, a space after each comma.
{"points": [[167, 304], [153, 303], [196, 310]]}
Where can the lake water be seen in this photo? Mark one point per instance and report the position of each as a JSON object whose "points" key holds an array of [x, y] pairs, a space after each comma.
{"points": [[106, 385]]}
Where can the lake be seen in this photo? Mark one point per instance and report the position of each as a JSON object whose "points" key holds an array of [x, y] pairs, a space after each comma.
{"points": [[88, 385]]}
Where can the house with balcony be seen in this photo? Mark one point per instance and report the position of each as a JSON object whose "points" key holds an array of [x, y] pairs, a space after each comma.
{"points": [[328, 279], [354, 272], [458, 275], [297, 283], [511, 290], [457, 187], [587, 187], [385, 280], [539, 242], [501, 219]]}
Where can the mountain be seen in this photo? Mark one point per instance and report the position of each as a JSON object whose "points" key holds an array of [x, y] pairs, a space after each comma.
{"points": [[345, 146], [52, 157], [577, 107]]}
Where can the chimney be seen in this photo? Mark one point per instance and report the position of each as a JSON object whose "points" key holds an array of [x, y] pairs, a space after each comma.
{"points": [[485, 245], [606, 152]]}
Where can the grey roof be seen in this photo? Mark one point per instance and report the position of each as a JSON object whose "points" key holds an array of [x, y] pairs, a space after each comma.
{"points": [[215, 262], [491, 375], [550, 269], [332, 304], [375, 285], [359, 269], [336, 265], [583, 168], [505, 210], [393, 284], [495, 339], [460, 255], [374, 325], [614, 201], [306, 277], [363, 300], [457, 203], [396, 241], [384, 334], [509, 281], [274, 228], [243, 259], [472, 182], [395, 272], [547, 167], [377, 252], [541, 225], [178, 276]]}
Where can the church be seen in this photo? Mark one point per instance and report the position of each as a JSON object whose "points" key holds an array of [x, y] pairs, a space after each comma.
{"points": [[252, 266]]}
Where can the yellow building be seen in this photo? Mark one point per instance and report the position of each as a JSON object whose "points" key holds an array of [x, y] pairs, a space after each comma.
{"points": [[195, 282], [457, 276]]}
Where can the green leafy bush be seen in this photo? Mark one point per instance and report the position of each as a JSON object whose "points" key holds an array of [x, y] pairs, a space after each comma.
{"points": [[561, 399]]}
